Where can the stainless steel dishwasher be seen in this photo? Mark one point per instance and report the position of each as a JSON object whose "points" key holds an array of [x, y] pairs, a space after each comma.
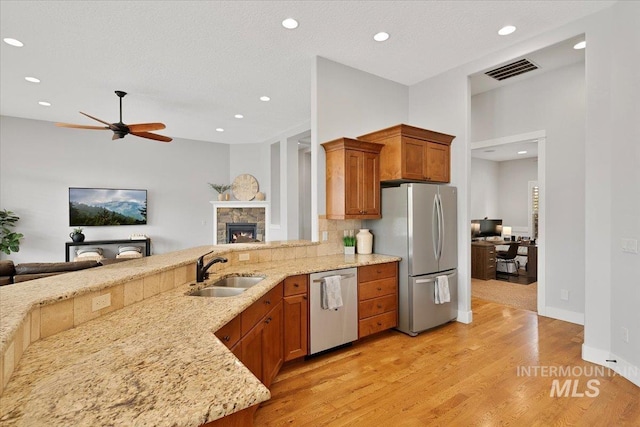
{"points": [[332, 328]]}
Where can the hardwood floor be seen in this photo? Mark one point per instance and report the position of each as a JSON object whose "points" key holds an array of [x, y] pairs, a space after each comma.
{"points": [[455, 375]]}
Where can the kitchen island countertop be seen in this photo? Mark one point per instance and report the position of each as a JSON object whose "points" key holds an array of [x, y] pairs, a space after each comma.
{"points": [[156, 362]]}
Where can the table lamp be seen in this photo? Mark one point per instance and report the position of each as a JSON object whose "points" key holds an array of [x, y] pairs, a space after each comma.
{"points": [[506, 232]]}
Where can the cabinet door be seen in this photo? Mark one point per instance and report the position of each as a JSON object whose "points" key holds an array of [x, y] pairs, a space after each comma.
{"points": [[272, 344], [252, 348], [413, 158], [296, 318], [371, 184], [353, 182], [437, 162]]}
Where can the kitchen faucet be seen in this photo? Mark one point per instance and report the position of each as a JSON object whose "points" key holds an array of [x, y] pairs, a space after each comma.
{"points": [[201, 272]]}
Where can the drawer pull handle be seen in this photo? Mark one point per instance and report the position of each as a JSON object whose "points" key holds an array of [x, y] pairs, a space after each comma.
{"points": [[268, 320], [268, 302], [379, 324], [379, 306], [304, 297], [379, 289], [295, 285], [227, 338]]}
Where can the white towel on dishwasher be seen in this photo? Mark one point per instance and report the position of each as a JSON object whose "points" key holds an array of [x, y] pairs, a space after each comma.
{"points": [[442, 294], [331, 293]]}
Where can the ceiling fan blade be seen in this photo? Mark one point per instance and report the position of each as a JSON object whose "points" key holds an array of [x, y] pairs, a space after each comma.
{"points": [[96, 119], [145, 127], [69, 125], [150, 135]]}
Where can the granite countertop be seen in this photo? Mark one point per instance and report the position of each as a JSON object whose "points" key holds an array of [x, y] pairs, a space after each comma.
{"points": [[156, 362]]}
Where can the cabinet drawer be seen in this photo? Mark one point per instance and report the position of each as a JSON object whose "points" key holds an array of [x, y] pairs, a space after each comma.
{"points": [[368, 273], [377, 323], [257, 310], [296, 285], [376, 306], [229, 334], [377, 288]]}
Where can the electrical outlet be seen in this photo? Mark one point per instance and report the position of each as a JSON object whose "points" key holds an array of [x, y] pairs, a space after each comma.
{"points": [[625, 334], [564, 294], [244, 257], [325, 236], [103, 301], [630, 246]]}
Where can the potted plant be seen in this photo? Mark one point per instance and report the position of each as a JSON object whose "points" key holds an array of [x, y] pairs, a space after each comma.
{"points": [[76, 235], [10, 240], [349, 242], [221, 188]]}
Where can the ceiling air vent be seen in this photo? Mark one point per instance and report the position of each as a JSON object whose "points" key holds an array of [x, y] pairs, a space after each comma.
{"points": [[511, 70]]}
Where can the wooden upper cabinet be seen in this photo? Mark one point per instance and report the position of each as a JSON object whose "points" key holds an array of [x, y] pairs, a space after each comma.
{"points": [[353, 179], [413, 154]]}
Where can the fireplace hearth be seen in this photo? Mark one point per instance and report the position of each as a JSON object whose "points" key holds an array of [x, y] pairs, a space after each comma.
{"points": [[242, 232]]}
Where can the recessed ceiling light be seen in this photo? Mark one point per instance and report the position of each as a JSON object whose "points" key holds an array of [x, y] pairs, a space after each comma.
{"points": [[13, 42], [522, 152], [580, 45], [381, 36], [290, 23], [219, 130], [45, 103], [489, 151], [505, 31], [239, 116], [265, 98], [32, 79]]}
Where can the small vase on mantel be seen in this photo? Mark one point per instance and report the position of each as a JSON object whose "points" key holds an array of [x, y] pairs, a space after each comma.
{"points": [[364, 240]]}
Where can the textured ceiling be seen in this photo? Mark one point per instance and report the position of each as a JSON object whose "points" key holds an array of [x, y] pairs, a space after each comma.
{"points": [[194, 64]]}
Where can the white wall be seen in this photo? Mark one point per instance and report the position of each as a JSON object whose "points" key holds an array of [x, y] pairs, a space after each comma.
{"points": [[554, 101], [251, 159], [346, 102], [483, 194], [610, 197], [625, 183], [39, 162], [513, 190]]}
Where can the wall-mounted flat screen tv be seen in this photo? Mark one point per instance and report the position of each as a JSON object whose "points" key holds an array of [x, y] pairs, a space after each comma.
{"points": [[107, 206]]}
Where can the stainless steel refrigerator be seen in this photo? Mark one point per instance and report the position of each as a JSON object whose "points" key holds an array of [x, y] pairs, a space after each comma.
{"points": [[419, 224]]}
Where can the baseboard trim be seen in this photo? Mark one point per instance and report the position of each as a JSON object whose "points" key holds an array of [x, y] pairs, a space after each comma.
{"points": [[620, 366], [565, 315], [465, 317]]}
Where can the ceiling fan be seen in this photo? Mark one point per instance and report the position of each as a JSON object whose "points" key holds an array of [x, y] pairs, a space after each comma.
{"points": [[120, 130]]}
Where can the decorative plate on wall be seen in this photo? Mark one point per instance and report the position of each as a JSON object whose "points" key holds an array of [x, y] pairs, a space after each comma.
{"points": [[244, 187]]}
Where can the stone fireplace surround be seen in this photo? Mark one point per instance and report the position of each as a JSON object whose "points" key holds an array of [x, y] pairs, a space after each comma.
{"points": [[239, 212]]}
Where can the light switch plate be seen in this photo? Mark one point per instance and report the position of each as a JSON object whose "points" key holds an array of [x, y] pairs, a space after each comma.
{"points": [[564, 294], [630, 246]]}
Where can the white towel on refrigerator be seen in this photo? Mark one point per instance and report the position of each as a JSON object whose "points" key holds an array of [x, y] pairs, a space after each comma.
{"points": [[331, 293], [442, 294]]}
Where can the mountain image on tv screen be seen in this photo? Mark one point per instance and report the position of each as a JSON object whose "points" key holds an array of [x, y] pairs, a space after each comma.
{"points": [[105, 206]]}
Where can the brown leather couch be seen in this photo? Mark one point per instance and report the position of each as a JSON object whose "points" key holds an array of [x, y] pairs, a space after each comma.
{"points": [[10, 273]]}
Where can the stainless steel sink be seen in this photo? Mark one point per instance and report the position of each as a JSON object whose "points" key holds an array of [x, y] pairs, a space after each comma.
{"points": [[218, 292], [228, 287], [238, 281]]}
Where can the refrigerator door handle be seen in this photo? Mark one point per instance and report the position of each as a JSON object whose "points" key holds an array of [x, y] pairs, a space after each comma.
{"points": [[425, 280], [441, 228], [435, 228]]}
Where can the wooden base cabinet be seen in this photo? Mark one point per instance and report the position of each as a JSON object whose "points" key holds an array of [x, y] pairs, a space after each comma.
{"points": [[377, 298], [296, 317], [353, 179], [412, 154], [483, 261]]}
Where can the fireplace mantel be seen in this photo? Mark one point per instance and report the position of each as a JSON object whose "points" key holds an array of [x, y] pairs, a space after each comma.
{"points": [[240, 204]]}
